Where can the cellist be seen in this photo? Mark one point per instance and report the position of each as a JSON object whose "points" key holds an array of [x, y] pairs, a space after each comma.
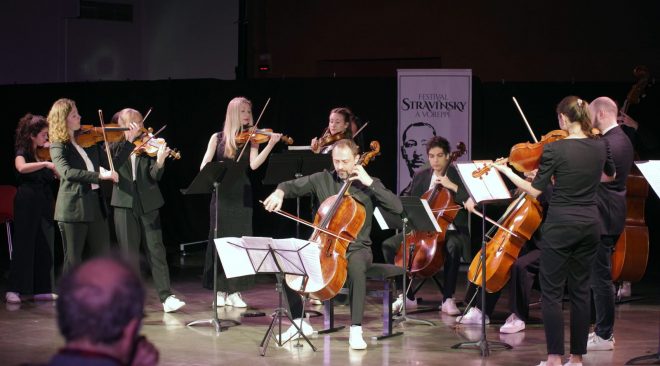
{"points": [[456, 238], [368, 191]]}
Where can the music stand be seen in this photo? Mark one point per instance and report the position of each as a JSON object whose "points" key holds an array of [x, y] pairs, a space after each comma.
{"points": [[417, 216], [252, 255], [208, 180], [489, 188]]}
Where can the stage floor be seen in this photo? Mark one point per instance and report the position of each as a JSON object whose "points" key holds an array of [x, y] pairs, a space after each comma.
{"points": [[28, 333]]}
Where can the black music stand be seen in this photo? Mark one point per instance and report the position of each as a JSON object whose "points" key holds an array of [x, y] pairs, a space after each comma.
{"points": [[416, 216], [207, 181], [252, 255], [488, 189]]}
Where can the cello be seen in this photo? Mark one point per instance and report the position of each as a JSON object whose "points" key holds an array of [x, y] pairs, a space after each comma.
{"points": [[425, 249], [338, 221], [631, 250]]}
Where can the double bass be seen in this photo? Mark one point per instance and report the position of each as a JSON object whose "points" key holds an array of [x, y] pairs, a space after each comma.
{"points": [[424, 250], [631, 251], [338, 221]]}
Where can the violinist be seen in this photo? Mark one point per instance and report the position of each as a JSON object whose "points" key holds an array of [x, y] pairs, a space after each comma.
{"points": [[136, 200], [80, 208], [571, 228], [31, 266], [368, 191], [611, 201], [339, 127], [235, 212], [456, 238]]}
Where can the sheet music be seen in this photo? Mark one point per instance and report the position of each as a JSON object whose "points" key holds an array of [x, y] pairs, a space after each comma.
{"points": [[651, 171], [299, 148], [429, 212], [380, 219], [488, 187], [309, 253], [234, 258]]}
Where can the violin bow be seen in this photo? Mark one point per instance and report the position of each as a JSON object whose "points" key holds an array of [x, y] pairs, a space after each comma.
{"points": [[149, 139], [254, 128], [360, 129], [304, 222], [525, 119], [105, 138]]}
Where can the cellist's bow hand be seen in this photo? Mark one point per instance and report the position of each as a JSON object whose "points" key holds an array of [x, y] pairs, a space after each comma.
{"points": [[274, 201], [360, 174], [624, 119], [470, 205]]}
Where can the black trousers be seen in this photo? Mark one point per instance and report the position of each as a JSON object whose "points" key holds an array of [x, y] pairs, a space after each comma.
{"points": [[134, 227], [359, 262], [455, 241], [602, 286], [31, 267], [567, 254], [88, 239]]}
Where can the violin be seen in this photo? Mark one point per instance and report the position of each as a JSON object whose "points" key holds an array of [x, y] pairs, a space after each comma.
{"points": [[525, 156], [521, 219], [329, 139], [338, 221], [148, 145], [89, 135], [426, 248], [259, 136]]}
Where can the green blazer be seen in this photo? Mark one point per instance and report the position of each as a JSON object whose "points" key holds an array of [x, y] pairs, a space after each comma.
{"points": [[75, 196], [147, 176]]}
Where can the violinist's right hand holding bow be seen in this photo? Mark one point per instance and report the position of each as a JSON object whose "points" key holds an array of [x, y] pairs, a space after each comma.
{"points": [[315, 145], [108, 175], [274, 201]]}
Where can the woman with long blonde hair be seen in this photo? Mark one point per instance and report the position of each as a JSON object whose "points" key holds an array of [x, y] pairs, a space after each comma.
{"points": [[234, 211], [80, 210]]}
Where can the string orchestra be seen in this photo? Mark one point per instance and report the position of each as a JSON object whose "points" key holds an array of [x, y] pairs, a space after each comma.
{"points": [[567, 227]]}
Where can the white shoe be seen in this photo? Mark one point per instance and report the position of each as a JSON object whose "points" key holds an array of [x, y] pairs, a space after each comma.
{"points": [[449, 307], [568, 363], [172, 304], [235, 300], [513, 324], [473, 316], [13, 297], [355, 338], [220, 299], [292, 333], [45, 297], [625, 290], [596, 343], [397, 305], [315, 302]]}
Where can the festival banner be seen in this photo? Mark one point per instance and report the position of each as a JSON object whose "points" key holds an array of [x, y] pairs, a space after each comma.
{"points": [[434, 102]]}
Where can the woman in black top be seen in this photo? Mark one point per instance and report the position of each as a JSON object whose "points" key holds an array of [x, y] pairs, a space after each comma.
{"points": [[570, 232], [32, 261]]}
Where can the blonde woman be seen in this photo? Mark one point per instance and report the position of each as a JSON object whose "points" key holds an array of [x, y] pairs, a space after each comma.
{"points": [[80, 208], [234, 211]]}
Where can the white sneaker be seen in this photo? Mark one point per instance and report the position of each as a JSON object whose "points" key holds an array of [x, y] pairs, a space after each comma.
{"points": [[292, 333], [172, 304], [397, 305], [449, 307], [473, 316], [220, 299], [45, 297], [235, 300], [315, 302], [513, 324], [625, 290], [13, 297], [596, 343], [355, 338]]}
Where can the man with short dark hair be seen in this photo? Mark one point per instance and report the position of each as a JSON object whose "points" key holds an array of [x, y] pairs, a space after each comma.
{"points": [[99, 313]]}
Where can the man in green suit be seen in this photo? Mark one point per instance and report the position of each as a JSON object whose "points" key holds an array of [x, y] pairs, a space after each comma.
{"points": [[136, 199]]}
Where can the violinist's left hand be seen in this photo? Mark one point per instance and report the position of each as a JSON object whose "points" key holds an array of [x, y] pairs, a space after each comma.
{"points": [[274, 138], [133, 132], [360, 174], [502, 167], [161, 155]]}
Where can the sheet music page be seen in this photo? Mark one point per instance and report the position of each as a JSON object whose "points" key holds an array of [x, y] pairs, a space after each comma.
{"points": [[258, 250], [233, 256], [489, 186], [425, 203], [380, 219], [651, 171], [309, 258]]}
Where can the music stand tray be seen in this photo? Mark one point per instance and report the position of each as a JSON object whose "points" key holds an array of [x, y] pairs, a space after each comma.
{"points": [[207, 181], [252, 255]]}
